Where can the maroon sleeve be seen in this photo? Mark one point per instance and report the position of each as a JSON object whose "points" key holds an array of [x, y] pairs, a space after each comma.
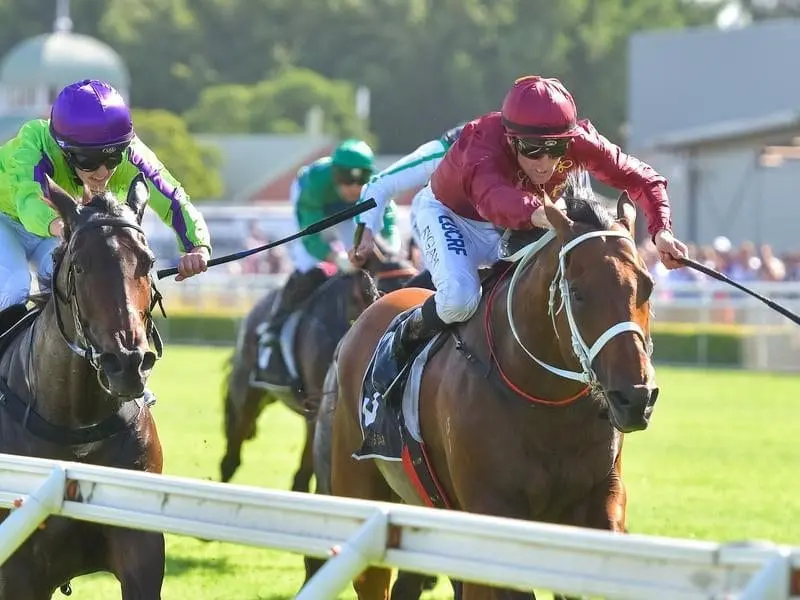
{"points": [[496, 200], [612, 166]]}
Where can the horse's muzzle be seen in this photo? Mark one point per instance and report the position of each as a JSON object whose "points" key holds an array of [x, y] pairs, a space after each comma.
{"points": [[127, 370], [630, 407]]}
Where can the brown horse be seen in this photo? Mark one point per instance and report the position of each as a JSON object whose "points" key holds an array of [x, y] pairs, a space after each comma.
{"points": [[523, 407], [72, 377], [328, 315]]}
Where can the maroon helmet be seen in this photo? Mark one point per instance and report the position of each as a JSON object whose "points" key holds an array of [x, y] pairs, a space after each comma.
{"points": [[539, 107]]}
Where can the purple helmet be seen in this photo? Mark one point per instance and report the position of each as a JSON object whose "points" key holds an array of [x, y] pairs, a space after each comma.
{"points": [[90, 113]]}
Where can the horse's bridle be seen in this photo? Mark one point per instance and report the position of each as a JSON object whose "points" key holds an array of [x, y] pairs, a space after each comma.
{"points": [[82, 345], [584, 353]]}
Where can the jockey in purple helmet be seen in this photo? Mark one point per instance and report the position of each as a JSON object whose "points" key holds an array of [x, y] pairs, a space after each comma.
{"points": [[88, 146]]}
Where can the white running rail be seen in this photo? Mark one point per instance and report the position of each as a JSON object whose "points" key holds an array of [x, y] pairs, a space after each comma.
{"points": [[476, 548]]}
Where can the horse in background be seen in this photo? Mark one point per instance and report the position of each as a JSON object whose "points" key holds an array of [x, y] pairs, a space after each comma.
{"points": [[318, 326]]}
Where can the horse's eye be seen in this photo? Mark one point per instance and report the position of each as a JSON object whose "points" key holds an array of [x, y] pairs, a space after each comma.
{"points": [[78, 269], [576, 295]]}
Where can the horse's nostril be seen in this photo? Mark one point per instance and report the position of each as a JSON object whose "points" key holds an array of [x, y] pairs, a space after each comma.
{"points": [[148, 361], [110, 363], [618, 398]]}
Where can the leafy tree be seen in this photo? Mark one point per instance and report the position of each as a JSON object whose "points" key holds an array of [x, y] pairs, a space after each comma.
{"points": [[196, 166], [428, 63], [222, 109], [278, 105]]}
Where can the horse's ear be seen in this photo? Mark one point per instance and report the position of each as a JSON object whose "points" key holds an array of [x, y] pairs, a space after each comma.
{"points": [[138, 195], [65, 204], [626, 211], [558, 218]]}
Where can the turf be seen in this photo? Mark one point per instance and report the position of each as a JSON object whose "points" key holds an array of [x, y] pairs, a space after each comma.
{"points": [[718, 462]]}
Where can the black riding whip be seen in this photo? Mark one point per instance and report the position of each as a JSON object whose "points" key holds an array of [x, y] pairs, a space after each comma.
{"points": [[713, 273], [335, 219]]}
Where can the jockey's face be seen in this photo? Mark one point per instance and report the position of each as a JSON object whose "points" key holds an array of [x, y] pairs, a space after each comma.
{"points": [[96, 181], [538, 158], [349, 182], [349, 192], [95, 166], [539, 170]]}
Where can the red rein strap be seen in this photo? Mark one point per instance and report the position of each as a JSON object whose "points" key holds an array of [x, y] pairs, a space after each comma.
{"points": [[493, 358]]}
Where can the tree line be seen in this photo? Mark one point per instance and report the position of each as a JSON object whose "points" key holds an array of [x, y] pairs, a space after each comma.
{"points": [[259, 65]]}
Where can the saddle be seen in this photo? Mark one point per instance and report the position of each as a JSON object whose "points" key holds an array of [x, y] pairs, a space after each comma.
{"points": [[385, 381], [281, 373], [278, 373]]}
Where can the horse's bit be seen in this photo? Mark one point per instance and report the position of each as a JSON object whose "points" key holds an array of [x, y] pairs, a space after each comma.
{"points": [[82, 345], [584, 353]]}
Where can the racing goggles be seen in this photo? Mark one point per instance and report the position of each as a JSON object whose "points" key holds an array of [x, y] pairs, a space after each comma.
{"points": [[537, 147], [91, 159], [351, 176]]}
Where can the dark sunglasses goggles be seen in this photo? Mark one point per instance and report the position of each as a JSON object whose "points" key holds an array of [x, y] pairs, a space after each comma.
{"points": [[539, 147], [91, 159], [351, 176]]}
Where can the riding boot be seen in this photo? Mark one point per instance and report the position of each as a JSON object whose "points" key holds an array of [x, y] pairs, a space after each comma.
{"points": [[297, 290], [420, 326]]}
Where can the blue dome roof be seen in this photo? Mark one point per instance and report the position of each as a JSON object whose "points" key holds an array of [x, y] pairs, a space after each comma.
{"points": [[58, 59]]}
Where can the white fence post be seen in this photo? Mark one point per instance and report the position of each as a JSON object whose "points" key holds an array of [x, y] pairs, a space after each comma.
{"points": [[476, 548], [366, 545], [35, 508], [772, 581]]}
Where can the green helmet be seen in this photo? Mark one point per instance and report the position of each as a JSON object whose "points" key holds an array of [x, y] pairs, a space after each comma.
{"points": [[353, 154]]}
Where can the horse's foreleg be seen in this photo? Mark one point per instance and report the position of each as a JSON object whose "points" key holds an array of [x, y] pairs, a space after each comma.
{"points": [[240, 425], [476, 498], [302, 478], [604, 508], [373, 584], [136, 558], [409, 586], [18, 581]]}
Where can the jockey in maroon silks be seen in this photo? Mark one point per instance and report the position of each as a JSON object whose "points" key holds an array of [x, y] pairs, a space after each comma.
{"points": [[495, 176]]}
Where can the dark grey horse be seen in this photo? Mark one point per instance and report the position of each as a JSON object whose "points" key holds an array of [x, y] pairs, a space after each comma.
{"points": [[72, 376], [327, 316]]}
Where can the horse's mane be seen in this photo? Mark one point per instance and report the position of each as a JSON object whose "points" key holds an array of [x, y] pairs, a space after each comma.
{"points": [[107, 205], [589, 212], [583, 206], [369, 287]]}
